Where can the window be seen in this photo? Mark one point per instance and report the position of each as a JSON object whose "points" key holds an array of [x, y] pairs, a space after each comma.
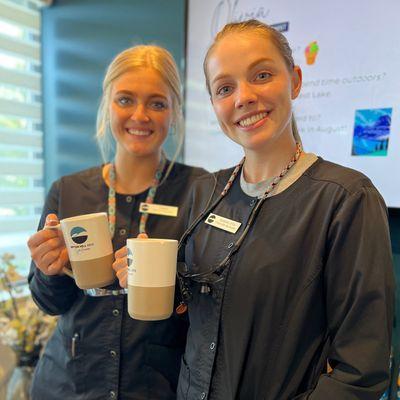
{"points": [[21, 153]]}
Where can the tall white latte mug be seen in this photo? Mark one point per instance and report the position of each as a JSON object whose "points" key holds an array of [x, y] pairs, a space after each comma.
{"points": [[88, 241], [151, 278]]}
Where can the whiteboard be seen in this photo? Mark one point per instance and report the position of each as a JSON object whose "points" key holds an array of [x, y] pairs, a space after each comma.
{"points": [[348, 109]]}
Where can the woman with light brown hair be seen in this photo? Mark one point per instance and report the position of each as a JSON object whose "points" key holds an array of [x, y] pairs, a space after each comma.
{"points": [[289, 266]]}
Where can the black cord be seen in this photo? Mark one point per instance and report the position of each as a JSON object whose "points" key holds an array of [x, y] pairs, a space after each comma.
{"points": [[206, 276]]}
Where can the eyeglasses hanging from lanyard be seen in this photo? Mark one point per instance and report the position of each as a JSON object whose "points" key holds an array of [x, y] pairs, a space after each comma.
{"points": [[214, 274]]}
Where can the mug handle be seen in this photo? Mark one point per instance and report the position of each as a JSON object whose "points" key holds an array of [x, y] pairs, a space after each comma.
{"points": [[65, 270], [68, 272]]}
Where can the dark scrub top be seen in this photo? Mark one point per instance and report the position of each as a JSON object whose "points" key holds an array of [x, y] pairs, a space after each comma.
{"points": [[116, 357], [312, 282]]}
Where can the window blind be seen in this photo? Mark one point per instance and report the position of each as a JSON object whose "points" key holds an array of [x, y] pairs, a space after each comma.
{"points": [[21, 153]]}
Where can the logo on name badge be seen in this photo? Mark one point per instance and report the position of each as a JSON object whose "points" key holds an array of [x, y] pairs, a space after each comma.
{"points": [[78, 235], [144, 208], [211, 219]]}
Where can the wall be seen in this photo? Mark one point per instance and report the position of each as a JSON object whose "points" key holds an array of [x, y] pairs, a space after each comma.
{"points": [[80, 37]]}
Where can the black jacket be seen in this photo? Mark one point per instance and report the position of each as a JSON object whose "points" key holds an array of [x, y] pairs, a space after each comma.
{"points": [[115, 357], [311, 283]]}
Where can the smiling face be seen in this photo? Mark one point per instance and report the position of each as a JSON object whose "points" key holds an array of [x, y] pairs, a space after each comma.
{"points": [[140, 112], [252, 90]]}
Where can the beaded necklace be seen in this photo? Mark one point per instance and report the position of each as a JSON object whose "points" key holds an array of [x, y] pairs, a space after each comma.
{"points": [[213, 275], [149, 198], [274, 182]]}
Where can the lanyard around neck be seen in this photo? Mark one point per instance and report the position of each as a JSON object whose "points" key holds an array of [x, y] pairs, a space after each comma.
{"points": [[151, 193], [214, 274]]}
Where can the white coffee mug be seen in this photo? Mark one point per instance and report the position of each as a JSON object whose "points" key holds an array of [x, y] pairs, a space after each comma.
{"points": [[151, 278], [88, 241]]}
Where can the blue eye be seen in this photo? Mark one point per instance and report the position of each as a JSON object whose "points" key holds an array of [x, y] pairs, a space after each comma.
{"points": [[224, 90], [159, 105], [262, 76], [124, 100]]}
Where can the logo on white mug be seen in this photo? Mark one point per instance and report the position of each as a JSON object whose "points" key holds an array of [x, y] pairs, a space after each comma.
{"points": [[79, 235], [130, 257]]}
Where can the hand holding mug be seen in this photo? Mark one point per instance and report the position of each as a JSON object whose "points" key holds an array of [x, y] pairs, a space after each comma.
{"points": [[120, 265], [48, 249], [89, 247]]}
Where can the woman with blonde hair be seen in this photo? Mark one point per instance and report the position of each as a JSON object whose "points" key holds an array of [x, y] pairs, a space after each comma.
{"points": [[97, 351]]}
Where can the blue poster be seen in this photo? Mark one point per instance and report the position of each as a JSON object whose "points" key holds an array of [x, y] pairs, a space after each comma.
{"points": [[371, 132]]}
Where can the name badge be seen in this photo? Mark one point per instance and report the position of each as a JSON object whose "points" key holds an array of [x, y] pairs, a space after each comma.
{"points": [[228, 225], [158, 209]]}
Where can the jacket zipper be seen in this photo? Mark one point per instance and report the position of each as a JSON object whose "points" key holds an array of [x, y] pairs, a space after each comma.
{"points": [[75, 339]]}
